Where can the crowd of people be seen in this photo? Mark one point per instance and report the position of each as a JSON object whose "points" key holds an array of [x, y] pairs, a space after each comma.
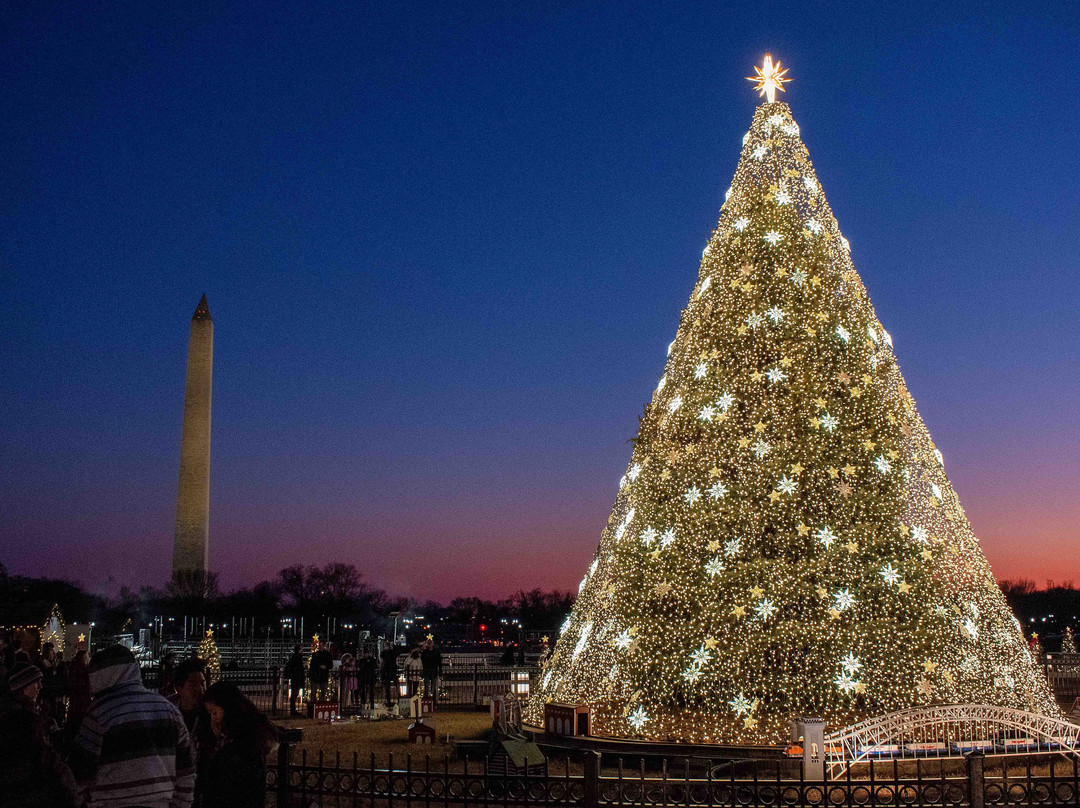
{"points": [[89, 733], [359, 674]]}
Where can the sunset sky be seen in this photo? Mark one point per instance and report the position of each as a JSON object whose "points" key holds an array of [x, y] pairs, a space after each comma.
{"points": [[446, 244]]}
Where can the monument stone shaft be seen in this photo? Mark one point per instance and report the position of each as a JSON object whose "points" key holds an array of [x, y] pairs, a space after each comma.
{"points": [[191, 545]]}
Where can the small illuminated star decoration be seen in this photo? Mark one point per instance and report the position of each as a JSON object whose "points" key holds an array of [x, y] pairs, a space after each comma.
{"points": [[741, 705], [769, 78]]}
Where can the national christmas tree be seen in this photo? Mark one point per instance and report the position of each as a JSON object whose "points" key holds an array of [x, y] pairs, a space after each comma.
{"points": [[785, 540]]}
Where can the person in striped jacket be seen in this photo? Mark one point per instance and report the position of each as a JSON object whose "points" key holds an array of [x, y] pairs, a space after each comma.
{"points": [[133, 747]]}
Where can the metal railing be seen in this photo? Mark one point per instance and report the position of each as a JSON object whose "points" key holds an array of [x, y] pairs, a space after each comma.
{"points": [[425, 781], [1063, 673], [459, 686]]}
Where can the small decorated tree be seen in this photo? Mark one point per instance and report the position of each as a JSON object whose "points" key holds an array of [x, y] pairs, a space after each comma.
{"points": [[53, 630], [1036, 647], [208, 652], [1068, 641]]}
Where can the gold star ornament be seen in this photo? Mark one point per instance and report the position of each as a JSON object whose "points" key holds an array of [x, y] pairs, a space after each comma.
{"points": [[769, 78]]}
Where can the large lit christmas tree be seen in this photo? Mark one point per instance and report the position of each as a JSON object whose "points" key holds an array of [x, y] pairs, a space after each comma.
{"points": [[785, 540]]}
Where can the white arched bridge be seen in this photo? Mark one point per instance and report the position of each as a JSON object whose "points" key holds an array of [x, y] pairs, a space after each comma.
{"points": [[951, 730]]}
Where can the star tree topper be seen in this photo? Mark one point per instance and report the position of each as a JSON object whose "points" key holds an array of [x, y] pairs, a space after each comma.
{"points": [[769, 78]]}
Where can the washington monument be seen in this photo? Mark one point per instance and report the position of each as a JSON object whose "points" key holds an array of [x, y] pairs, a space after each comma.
{"points": [[191, 546]]}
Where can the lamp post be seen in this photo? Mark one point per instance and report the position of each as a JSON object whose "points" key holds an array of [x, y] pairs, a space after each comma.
{"points": [[393, 639]]}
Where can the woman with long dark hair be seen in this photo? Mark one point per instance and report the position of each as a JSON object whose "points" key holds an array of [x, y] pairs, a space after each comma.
{"points": [[233, 773], [32, 774], [78, 691]]}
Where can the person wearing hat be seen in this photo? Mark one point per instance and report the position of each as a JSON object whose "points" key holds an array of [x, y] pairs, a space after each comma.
{"points": [[133, 747], [25, 685], [25, 681]]}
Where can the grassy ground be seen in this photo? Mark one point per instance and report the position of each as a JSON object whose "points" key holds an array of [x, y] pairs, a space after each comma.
{"points": [[386, 737]]}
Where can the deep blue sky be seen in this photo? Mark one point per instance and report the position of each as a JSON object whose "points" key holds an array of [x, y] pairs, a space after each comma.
{"points": [[445, 245]]}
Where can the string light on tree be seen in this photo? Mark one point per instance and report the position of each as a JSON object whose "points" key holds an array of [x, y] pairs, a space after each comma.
{"points": [[772, 467]]}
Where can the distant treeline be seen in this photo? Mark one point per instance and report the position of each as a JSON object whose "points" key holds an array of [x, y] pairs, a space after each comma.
{"points": [[1047, 611], [337, 591]]}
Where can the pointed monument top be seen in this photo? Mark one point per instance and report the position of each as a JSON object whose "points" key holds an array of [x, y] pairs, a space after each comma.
{"points": [[202, 311]]}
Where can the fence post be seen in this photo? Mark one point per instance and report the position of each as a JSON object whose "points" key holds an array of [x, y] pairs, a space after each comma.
{"points": [[276, 682], [289, 736], [591, 796], [976, 779], [475, 685], [340, 690]]}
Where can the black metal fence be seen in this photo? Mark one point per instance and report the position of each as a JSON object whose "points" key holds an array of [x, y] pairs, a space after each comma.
{"points": [[427, 782]]}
